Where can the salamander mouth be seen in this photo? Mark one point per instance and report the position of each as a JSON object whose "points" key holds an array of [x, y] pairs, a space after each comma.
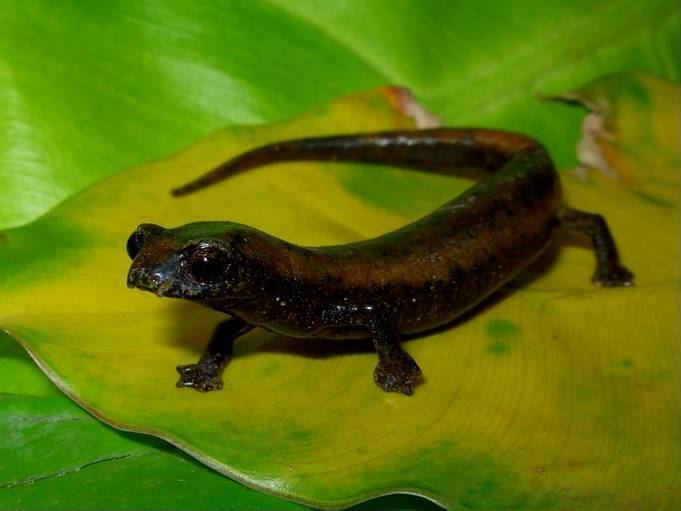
{"points": [[165, 291], [155, 282], [158, 283]]}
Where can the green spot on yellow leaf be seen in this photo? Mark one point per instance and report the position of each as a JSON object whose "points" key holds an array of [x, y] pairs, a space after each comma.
{"points": [[502, 329], [502, 332], [499, 347]]}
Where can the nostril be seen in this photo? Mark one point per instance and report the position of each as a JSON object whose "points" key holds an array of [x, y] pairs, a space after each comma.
{"points": [[156, 278]]}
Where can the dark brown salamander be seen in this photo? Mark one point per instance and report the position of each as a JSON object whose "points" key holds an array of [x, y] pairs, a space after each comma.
{"points": [[411, 280]]}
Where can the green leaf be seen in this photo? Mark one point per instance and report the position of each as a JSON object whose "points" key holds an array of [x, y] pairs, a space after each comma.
{"points": [[56, 456], [93, 88]]}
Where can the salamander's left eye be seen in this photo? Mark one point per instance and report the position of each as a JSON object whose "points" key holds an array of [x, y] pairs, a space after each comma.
{"points": [[207, 263], [143, 233], [134, 244]]}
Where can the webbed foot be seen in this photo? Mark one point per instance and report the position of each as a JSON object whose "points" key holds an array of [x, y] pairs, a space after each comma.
{"points": [[612, 275], [399, 373], [204, 376]]}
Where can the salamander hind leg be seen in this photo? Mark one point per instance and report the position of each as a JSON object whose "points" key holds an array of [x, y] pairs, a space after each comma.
{"points": [[396, 370], [609, 271], [205, 375]]}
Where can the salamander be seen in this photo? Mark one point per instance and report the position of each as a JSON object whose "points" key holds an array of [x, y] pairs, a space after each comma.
{"points": [[409, 281]]}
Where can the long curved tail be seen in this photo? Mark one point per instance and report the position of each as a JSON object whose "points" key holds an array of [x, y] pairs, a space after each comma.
{"points": [[439, 149]]}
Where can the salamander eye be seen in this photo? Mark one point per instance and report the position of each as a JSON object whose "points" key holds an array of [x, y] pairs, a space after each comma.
{"points": [[207, 263], [134, 244], [140, 236]]}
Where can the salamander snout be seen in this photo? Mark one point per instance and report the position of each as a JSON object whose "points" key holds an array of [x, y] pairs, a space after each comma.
{"points": [[152, 249]]}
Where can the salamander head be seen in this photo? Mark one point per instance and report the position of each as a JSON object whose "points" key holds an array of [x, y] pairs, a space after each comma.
{"points": [[198, 261]]}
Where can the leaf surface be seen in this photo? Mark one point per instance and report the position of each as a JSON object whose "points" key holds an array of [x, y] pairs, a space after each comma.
{"points": [[556, 392]]}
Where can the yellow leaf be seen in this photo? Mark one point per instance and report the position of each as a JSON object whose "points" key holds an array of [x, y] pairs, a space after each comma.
{"points": [[556, 394]]}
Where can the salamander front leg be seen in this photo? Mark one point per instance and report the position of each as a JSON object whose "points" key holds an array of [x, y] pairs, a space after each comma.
{"points": [[205, 374], [609, 271], [396, 370]]}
